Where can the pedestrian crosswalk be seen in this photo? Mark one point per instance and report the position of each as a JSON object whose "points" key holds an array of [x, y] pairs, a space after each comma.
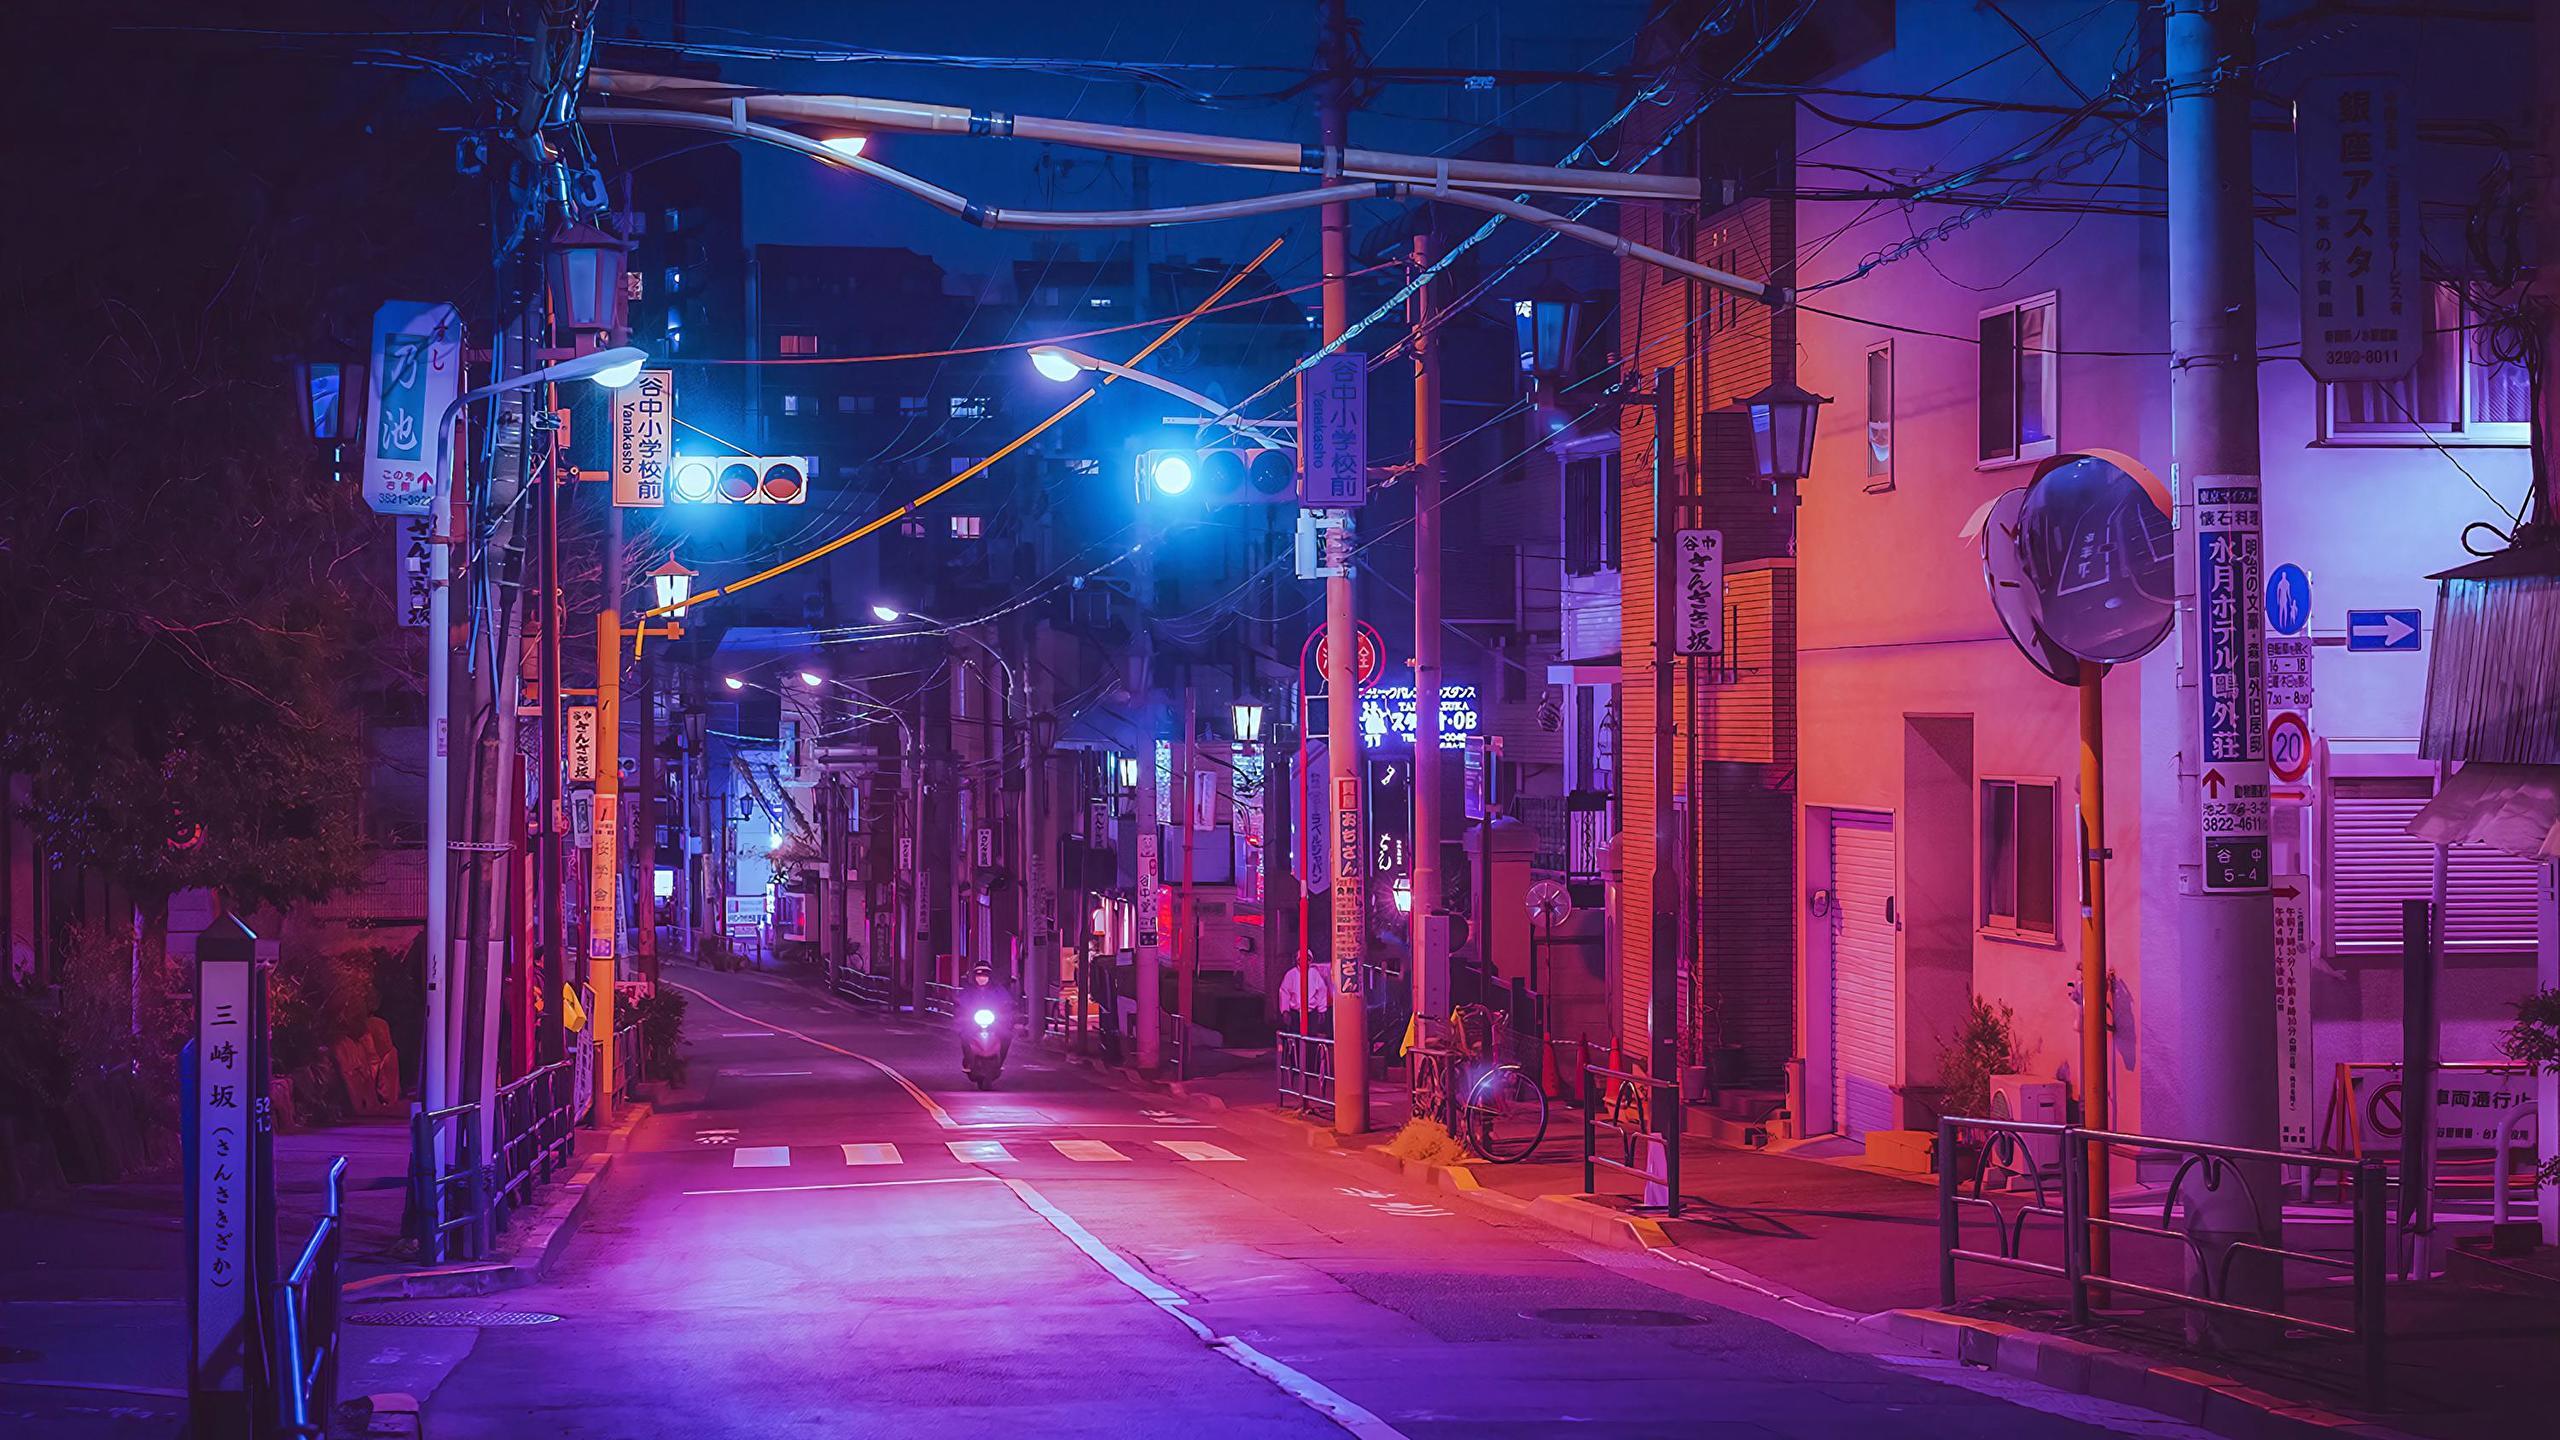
{"points": [[980, 1152]]}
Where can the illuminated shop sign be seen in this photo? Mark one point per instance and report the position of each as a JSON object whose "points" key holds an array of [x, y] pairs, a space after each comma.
{"points": [[1387, 715]]}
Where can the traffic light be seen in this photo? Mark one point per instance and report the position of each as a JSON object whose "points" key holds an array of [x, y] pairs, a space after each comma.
{"points": [[1237, 474], [740, 480]]}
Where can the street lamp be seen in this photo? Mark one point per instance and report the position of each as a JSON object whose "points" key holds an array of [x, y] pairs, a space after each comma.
{"points": [[811, 679], [586, 266], [1782, 419], [1128, 772], [673, 584], [848, 146], [886, 615], [1058, 363], [733, 682], [1545, 322], [1248, 721]]}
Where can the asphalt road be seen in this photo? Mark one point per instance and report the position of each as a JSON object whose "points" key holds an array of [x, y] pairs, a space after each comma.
{"points": [[830, 1233]]}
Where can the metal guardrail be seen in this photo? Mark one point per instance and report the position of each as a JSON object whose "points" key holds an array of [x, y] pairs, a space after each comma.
{"points": [[940, 999], [444, 1158], [630, 1067], [2212, 1167], [1656, 1115], [861, 987], [1305, 1064], [306, 1359], [537, 1133]]}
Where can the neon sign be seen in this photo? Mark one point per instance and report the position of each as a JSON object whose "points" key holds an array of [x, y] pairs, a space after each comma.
{"points": [[1388, 715]]}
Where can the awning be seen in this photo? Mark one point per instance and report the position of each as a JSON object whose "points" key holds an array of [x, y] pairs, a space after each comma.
{"points": [[2515, 808], [1592, 670]]}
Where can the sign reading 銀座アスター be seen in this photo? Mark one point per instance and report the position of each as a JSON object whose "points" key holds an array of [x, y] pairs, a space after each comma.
{"points": [[2231, 771], [417, 370], [643, 412], [1333, 432], [2365, 314], [1697, 592]]}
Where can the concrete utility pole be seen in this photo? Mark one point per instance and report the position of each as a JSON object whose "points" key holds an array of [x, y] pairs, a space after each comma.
{"points": [[2225, 916], [1186, 922], [1150, 839], [1428, 889], [1342, 643], [606, 857], [1662, 1021]]}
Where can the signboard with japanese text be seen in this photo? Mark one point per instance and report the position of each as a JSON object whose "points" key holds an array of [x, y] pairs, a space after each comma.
{"points": [[644, 413], [1150, 899], [2289, 672], [413, 565], [1697, 592], [1204, 799], [1333, 432], [229, 1234], [1313, 864], [906, 854], [1349, 941], [602, 872], [986, 847], [1390, 715], [1475, 786], [417, 371], [2295, 1079], [2365, 313], [581, 729], [582, 818], [1164, 782], [2231, 771]]}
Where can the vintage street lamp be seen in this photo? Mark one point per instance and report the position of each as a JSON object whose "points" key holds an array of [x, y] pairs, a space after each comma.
{"points": [[1545, 322], [1782, 421], [1248, 722], [586, 267], [674, 586], [1128, 772]]}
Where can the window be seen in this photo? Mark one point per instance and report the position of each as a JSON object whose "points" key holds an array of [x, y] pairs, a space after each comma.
{"points": [[675, 279], [2460, 390], [799, 344], [2017, 857], [675, 218], [1880, 417], [967, 527], [911, 405], [1083, 465], [2374, 863], [969, 407], [911, 529], [1591, 515], [790, 404], [1099, 302], [854, 404], [2016, 374]]}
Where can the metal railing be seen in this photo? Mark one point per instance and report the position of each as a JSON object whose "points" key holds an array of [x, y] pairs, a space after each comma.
{"points": [[2207, 1273], [537, 1133], [1633, 1110], [629, 1066], [940, 999], [861, 987], [1305, 1064], [2502, 1162], [306, 1359], [443, 1159]]}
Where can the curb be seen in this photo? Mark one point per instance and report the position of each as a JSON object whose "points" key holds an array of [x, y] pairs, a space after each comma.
{"points": [[2058, 1362], [394, 1414], [530, 1249]]}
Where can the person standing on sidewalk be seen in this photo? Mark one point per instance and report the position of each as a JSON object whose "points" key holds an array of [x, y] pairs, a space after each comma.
{"points": [[1306, 1002]]}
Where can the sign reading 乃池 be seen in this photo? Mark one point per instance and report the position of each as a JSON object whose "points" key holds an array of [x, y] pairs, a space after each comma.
{"points": [[417, 371]]}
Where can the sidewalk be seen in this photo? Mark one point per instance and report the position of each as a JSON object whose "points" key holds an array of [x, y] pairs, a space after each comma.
{"points": [[1860, 1244]]}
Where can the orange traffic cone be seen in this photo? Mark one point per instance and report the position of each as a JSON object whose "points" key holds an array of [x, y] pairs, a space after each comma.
{"points": [[1548, 1080]]}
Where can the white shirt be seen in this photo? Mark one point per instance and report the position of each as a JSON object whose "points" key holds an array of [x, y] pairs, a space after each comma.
{"points": [[1320, 993]]}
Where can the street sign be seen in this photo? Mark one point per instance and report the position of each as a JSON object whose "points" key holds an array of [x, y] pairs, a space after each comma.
{"points": [[417, 371], [413, 558], [582, 817], [644, 413], [986, 847], [2288, 747], [230, 1192], [1364, 651], [1333, 432], [2288, 600], [2394, 631], [2295, 1079], [2231, 780], [1348, 936], [906, 854], [1697, 592], [582, 744], [1148, 901], [2364, 307], [2289, 673], [602, 871]]}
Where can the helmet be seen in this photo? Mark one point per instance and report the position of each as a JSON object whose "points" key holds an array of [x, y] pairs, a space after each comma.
{"points": [[984, 974]]}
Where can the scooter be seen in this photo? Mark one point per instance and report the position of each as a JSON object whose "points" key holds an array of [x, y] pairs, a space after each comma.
{"points": [[984, 1041]]}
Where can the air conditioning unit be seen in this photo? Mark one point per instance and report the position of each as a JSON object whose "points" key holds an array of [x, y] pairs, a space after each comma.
{"points": [[2037, 1101]]}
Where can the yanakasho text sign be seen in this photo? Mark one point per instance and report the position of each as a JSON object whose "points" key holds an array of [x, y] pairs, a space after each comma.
{"points": [[643, 413], [2364, 307], [1333, 432]]}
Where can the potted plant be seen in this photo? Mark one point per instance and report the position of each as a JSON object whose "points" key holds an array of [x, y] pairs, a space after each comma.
{"points": [[1984, 1044]]}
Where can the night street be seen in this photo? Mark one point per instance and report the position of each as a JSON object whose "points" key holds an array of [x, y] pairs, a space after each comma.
{"points": [[799, 1245]]}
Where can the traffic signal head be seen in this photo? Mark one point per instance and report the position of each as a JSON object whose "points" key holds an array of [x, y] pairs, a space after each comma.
{"points": [[1236, 474], [740, 480]]}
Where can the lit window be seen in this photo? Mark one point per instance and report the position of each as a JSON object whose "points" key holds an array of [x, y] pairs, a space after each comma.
{"points": [[799, 344], [2017, 857], [2016, 371], [1100, 302], [675, 279], [790, 404], [912, 529], [1880, 416], [967, 527], [969, 407], [910, 405], [2463, 388]]}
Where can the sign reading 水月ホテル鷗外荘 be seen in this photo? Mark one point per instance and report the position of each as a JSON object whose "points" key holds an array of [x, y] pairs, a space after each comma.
{"points": [[2365, 312], [644, 414], [1697, 592], [417, 370], [2231, 771], [1333, 432]]}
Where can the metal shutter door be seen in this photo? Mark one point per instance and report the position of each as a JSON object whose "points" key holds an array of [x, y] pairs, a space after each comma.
{"points": [[1862, 972], [2375, 863]]}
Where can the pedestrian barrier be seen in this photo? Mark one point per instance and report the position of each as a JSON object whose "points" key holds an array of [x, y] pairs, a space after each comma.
{"points": [[537, 1134], [2203, 1175], [1305, 1072], [939, 998], [1634, 1109], [629, 1066], [860, 986], [306, 1360], [444, 1159]]}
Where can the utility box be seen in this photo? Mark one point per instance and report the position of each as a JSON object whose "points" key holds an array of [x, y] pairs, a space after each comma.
{"points": [[2036, 1100]]}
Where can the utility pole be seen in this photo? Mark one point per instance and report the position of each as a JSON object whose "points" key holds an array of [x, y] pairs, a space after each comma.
{"points": [[644, 814], [1427, 885], [1147, 979], [2224, 922], [550, 883], [1342, 643], [606, 857], [1662, 972], [1186, 919]]}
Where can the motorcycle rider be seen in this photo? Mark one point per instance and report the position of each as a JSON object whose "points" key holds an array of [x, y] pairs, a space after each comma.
{"points": [[983, 993]]}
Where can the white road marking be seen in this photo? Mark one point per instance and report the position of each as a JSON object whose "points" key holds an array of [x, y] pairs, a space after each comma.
{"points": [[932, 1107], [760, 1157], [746, 1035], [1198, 1150], [872, 1155], [765, 1074], [1410, 1210], [1087, 1150], [979, 1152], [848, 1185]]}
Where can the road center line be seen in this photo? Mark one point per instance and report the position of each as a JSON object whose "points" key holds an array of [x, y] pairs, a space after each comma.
{"points": [[940, 1116]]}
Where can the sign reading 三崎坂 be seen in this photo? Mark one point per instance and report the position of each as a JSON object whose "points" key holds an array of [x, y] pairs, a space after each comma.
{"points": [[2295, 1079], [228, 1091], [417, 371], [2231, 771], [1333, 432], [643, 412], [1390, 715], [1697, 592], [582, 744], [2365, 314], [413, 572]]}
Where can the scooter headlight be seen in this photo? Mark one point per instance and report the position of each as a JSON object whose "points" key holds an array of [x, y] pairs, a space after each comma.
{"points": [[984, 1018]]}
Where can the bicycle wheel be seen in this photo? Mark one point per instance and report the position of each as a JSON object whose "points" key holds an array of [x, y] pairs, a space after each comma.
{"points": [[1506, 1115], [1430, 1088]]}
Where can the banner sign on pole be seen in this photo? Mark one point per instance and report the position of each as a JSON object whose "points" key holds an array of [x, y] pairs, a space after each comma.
{"points": [[642, 412], [582, 818], [1333, 432], [602, 871], [417, 370], [2231, 774], [2364, 309], [1314, 864], [1148, 888], [1697, 587], [582, 744], [413, 556], [2295, 1078], [1349, 942]]}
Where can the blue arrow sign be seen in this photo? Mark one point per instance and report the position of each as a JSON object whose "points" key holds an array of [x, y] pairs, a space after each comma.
{"points": [[2288, 599], [2395, 630]]}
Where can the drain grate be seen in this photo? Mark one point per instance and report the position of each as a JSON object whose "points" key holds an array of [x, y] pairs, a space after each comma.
{"points": [[430, 1315], [1586, 1315]]}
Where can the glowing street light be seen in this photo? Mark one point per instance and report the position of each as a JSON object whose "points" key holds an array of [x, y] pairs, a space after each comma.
{"points": [[886, 615], [848, 146], [1058, 363], [811, 679], [733, 682], [674, 585]]}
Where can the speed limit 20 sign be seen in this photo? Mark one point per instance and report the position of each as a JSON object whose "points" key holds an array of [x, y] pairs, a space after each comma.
{"points": [[2288, 746]]}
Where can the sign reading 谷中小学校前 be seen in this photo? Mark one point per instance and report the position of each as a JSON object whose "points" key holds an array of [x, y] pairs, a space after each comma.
{"points": [[2231, 691], [2365, 311], [1333, 432], [417, 371], [644, 413], [1697, 592]]}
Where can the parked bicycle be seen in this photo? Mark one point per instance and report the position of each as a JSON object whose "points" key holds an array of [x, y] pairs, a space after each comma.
{"points": [[1491, 1106]]}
